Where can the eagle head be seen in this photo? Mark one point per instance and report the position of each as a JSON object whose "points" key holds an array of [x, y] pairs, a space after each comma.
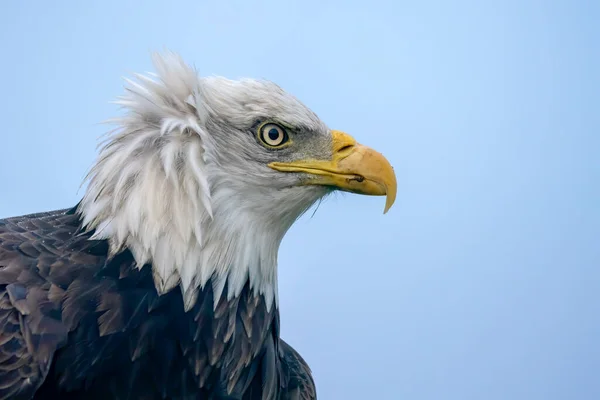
{"points": [[203, 177]]}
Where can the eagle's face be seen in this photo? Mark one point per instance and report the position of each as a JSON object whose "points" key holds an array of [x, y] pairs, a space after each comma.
{"points": [[206, 175], [278, 155], [252, 126]]}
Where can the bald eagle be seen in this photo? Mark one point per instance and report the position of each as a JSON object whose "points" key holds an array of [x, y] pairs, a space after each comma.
{"points": [[161, 283]]}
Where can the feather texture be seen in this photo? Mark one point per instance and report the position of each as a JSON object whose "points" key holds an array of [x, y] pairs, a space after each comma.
{"points": [[183, 186], [78, 324]]}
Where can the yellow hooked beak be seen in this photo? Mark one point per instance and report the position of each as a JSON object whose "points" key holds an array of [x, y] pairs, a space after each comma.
{"points": [[353, 168]]}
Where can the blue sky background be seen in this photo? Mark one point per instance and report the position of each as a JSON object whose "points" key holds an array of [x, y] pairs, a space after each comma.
{"points": [[483, 281]]}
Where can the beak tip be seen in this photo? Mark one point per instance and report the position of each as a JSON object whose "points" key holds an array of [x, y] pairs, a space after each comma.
{"points": [[389, 202], [390, 197]]}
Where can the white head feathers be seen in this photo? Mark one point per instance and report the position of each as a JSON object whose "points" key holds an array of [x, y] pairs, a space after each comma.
{"points": [[183, 184]]}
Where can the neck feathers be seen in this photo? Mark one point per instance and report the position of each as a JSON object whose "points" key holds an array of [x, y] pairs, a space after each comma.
{"points": [[153, 192]]}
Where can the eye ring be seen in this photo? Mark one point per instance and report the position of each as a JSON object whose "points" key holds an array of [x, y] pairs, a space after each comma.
{"points": [[273, 135]]}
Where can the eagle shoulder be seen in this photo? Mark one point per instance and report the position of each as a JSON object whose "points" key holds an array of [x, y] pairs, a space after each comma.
{"points": [[58, 289], [297, 376], [31, 329]]}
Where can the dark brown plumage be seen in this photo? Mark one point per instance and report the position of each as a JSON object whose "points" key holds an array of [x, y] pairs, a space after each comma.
{"points": [[75, 324]]}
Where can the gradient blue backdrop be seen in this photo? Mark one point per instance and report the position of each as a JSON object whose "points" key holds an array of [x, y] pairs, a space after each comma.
{"points": [[483, 281]]}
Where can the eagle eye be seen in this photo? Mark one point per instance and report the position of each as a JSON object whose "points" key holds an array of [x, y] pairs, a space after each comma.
{"points": [[273, 135]]}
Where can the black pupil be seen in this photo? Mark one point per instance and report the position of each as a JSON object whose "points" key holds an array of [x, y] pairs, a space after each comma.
{"points": [[273, 134]]}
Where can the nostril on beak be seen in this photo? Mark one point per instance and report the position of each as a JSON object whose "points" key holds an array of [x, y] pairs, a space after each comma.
{"points": [[346, 147]]}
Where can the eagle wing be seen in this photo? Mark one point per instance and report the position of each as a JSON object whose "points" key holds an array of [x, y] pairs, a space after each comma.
{"points": [[300, 384], [30, 325]]}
